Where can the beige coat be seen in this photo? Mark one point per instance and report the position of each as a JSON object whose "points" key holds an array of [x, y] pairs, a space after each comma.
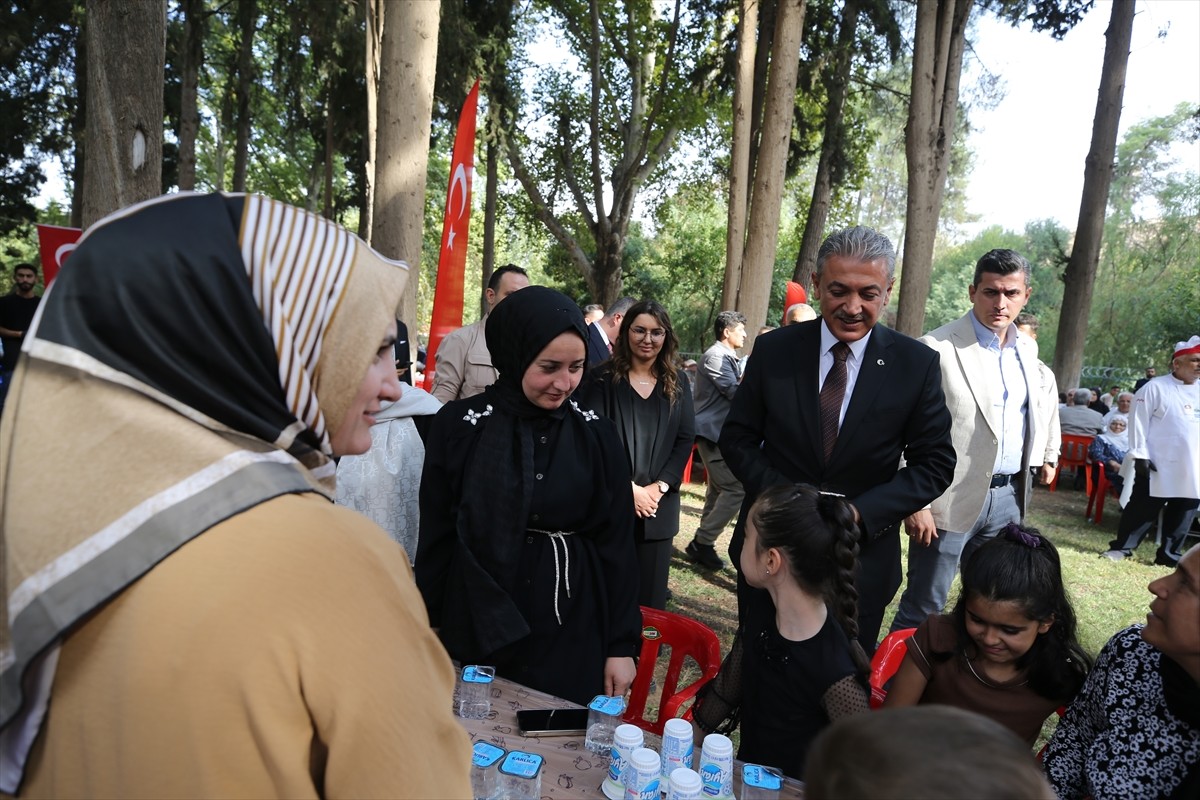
{"points": [[463, 364], [284, 653], [970, 382]]}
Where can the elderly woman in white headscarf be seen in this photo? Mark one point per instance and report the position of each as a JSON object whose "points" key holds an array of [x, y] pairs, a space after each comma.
{"points": [[185, 611], [1108, 449]]}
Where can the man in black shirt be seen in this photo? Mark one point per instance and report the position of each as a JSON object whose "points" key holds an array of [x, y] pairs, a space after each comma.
{"points": [[16, 315]]}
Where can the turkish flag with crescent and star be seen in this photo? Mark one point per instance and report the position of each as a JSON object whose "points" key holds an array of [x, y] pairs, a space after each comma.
{"points": [[452, 258], [55, 244]]}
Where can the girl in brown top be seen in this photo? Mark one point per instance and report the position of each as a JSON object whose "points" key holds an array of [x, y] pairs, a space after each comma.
{"points": [[1008, 650]]}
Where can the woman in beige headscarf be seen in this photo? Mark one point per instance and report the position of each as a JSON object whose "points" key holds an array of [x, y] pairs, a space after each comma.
{"points": [[193, 371]]}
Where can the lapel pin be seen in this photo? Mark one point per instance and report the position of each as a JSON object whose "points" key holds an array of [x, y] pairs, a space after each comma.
{"points": [[880, 362]]}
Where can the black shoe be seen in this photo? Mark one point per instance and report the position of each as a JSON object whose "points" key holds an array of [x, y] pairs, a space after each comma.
{"points": [[704, 554], [1163, 560]]}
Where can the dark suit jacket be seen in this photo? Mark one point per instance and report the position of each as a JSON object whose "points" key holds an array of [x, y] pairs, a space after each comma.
{"points": [[772, 435], [597, 349]]}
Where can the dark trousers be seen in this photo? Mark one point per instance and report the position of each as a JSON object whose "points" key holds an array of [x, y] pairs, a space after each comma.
{"points": [[1142, 513]]}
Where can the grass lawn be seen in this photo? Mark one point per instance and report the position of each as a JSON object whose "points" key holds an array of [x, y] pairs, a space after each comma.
{"points": [[1107, 595]]}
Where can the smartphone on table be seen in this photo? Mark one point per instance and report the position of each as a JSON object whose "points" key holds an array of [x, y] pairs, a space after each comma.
{"points": [[552, 721]]}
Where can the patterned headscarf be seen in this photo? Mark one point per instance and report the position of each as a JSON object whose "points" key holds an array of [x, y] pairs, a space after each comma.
{"points": [[190, 362]]}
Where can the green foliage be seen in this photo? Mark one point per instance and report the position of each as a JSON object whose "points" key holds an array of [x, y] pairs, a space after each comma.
{"points": [[1147, 296], [37, 65]]}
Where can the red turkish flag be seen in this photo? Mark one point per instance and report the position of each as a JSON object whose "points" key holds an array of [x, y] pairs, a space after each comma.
{"points": [[55, 244], [452, 259]]}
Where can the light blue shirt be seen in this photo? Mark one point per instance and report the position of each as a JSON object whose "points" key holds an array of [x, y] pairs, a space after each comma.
{"points": [[1010, 407], [853, 365]]}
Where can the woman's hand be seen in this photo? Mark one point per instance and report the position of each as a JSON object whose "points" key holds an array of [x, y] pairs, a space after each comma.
{"points": [[644, 501], [618, 675]]}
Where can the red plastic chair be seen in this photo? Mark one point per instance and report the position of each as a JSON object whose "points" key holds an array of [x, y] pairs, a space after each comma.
{"points": [[1074, 454], [886, 662], [686, 637], [1101, 488], [687, 470]]}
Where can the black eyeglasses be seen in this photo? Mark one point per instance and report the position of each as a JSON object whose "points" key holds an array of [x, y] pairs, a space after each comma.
{"points": [[642, 333]]}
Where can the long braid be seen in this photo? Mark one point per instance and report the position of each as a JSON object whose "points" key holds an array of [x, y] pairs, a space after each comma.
{"points": [[843, 599]]}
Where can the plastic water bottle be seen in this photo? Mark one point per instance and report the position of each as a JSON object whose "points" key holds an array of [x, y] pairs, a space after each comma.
{"points": [[520, 776], [716, 766], [685, 784], [604, 715], [626, 739], [677, 747], [641, 775], [483, 769], [760, 783], [473, 700]]}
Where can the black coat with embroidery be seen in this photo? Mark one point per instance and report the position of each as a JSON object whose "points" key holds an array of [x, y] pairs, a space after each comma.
{"points": [[545, 610]]}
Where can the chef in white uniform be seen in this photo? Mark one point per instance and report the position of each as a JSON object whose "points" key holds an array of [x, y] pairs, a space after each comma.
{"points": [[1164, 447]]}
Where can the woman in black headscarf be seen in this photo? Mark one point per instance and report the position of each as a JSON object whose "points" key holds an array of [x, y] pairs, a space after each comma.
{"points": [[526, 557]]}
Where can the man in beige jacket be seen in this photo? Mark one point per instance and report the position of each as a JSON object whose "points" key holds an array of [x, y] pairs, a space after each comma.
{"points": [[463, 364], [1002, 422]]}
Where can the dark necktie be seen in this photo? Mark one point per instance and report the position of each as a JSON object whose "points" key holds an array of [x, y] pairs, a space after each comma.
{"points": [[831, 397]]}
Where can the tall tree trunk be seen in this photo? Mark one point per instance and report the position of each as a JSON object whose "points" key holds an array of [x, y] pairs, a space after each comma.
{"points": [[739, 157], [127, 50], [1080, 275], [189, 112], [928, 139], [753, 295], [247, 15], [79, 125], [832, 145], [407, 57], [373, 10], [767, 14], [492, 153], [327, 188]]}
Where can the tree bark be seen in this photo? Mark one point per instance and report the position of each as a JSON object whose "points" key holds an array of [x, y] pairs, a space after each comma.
{"points": [[247, 15], [753, 294], [126, 55], [407, 57], [79, 125], [189, 112], [492, 154], [836, 81], [767, 15], [372, 10], [739, 156], [928, 138], [1080, 275]]}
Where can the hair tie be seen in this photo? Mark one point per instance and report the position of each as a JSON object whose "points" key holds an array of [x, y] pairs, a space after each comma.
{"points": [[1014, 533]]}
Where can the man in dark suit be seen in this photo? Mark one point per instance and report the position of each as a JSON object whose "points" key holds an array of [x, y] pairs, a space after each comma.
{"points": [[603, 332], [891, 407]]}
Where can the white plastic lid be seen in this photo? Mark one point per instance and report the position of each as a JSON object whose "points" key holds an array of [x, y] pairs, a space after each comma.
{"points": [[685, 780], [677, 727], [628, 735], [716, 745], [644, 759]]}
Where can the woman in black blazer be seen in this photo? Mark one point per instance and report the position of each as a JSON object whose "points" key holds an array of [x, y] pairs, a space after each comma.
{"points": [[645, 393]]}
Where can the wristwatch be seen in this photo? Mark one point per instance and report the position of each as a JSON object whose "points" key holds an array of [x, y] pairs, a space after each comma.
{"points": [[663, 486]]}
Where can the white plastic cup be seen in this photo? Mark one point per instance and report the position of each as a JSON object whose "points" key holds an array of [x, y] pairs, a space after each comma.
{"points": [[626, 739], [604, 715], [685, 784], [484, 757], [677, 747], [716, 766], [642, 774], [473, 698], [520, 776]]}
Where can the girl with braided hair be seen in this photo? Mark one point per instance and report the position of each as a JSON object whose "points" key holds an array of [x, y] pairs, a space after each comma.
{"points": [[787, 677], [1008, 650]]}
